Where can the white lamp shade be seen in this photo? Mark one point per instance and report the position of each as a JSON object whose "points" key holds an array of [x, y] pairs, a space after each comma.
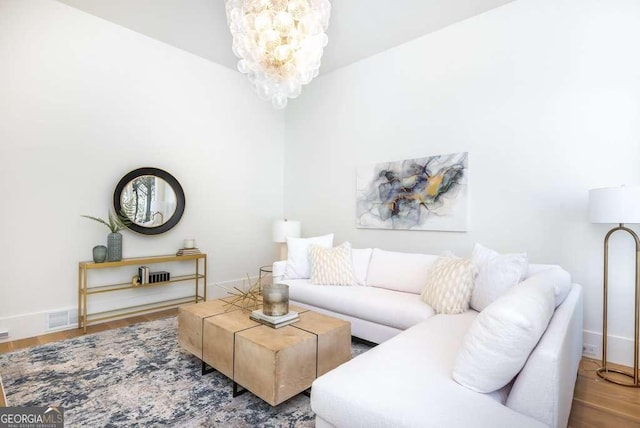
{"points": [[283, 229], [615, 205]]}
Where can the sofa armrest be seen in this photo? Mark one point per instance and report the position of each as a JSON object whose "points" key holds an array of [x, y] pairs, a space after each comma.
{"points": [[544, 387], [278, 270]]}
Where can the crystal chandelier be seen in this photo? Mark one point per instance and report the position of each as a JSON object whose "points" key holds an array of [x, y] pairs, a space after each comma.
{"points": [[279, 43]]}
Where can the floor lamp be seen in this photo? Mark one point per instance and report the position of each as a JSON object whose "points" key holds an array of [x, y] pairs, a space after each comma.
{"points": [[283, 229], [617, 205]]}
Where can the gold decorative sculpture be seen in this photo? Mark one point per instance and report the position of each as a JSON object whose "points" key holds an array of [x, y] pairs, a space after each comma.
{"points": [[246, 299]]}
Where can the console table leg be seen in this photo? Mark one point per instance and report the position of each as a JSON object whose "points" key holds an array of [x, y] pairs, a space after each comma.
{"points": [[79, 296], [84, 300]]}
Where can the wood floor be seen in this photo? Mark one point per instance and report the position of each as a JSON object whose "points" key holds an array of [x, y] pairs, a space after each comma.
{"points": [[596, 403], [68, 334]]}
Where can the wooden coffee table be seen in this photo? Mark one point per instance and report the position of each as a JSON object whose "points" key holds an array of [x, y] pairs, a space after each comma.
{"points": [[274, 364]]}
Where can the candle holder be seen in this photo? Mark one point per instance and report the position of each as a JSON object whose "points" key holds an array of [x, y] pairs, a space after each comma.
{"points": [[275, 299]]}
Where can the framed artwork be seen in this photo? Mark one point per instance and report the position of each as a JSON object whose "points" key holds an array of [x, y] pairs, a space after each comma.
{"points": [[429, 193]]}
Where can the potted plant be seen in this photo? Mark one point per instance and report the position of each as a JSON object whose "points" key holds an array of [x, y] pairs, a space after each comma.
{"points": [[114, 239]]}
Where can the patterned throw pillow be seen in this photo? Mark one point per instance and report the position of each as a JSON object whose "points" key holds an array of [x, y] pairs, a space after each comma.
{"points": [[298, 254], [331, 266], [449, 285]]}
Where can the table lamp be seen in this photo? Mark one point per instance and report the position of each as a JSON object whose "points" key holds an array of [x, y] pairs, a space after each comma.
{"points": [[283, 229], [617, 205]]}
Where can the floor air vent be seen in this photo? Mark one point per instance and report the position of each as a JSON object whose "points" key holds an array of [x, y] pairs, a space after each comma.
{"points": [[57, 319]]}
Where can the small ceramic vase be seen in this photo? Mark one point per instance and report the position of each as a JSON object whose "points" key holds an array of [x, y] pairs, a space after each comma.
{"points": [[99, 253]]}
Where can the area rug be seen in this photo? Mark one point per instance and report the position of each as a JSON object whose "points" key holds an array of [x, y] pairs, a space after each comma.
{"points": [[138, 375]]}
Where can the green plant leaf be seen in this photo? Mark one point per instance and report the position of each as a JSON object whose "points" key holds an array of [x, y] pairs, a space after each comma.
{"points": [[115, 223]]}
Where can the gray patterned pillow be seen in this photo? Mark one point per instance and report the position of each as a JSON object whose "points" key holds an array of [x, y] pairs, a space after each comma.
{"points": [[449, 285], [331, 266]]}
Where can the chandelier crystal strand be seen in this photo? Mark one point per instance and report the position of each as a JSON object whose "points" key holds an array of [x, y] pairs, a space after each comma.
{"points": [[279, 43]]}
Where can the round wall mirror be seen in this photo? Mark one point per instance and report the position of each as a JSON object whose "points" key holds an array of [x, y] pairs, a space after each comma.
{"points": [[152, 200]]}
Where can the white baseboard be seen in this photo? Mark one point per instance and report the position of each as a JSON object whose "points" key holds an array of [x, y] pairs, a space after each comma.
{"points": [[619, 349], [35, 324]]}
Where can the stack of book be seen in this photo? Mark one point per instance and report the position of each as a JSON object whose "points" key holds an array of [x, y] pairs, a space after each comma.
{"points": [[275, 322], [143, 275], [161, 276], [187, 252]]}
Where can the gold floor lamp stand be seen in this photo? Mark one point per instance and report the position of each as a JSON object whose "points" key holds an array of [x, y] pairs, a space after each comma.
{"points": [[606, 373]]}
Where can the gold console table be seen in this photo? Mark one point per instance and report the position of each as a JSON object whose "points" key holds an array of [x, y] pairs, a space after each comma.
{"points": [[84, 290]]}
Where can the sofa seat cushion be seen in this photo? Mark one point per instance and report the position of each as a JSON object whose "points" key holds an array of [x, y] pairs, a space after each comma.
{"points": [[378, 305], [406, 382]]}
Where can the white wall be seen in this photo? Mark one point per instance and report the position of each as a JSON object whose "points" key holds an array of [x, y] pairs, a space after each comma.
{"points": [[545, 96], [83, 102]]}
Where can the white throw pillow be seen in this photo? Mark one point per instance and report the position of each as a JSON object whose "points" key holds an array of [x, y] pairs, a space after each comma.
{"points": [[449, 284], [496, 274], [298, 255], [393, 270], [361, 258], [331, 266], [499, 341], [554, 274]]}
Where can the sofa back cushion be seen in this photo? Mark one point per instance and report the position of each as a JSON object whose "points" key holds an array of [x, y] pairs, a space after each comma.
{"points": [[393, 270], [361, 258]]}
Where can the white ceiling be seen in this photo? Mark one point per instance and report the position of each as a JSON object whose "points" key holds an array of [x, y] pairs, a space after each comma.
{"points": [[358, 28]]}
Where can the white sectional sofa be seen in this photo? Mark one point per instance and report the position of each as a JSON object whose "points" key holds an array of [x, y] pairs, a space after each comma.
{"points": [[406, 381]]}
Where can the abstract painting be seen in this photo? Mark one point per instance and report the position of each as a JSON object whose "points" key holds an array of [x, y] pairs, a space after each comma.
{"points": [[429, 193]]}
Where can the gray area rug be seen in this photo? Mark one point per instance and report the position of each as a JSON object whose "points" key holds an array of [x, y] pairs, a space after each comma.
{"points": [[138, 375]]}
